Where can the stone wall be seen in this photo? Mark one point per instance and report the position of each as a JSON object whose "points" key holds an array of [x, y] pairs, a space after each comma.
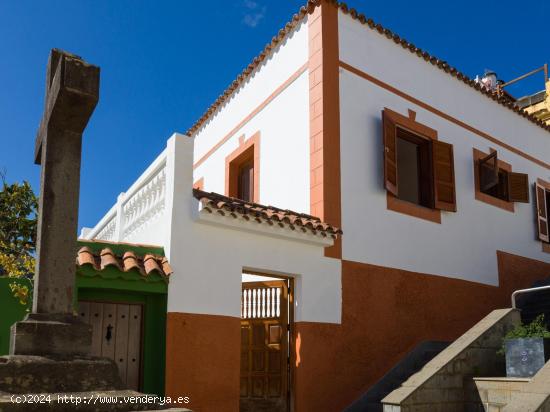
{"points": [[534, 396], [442, 384]]}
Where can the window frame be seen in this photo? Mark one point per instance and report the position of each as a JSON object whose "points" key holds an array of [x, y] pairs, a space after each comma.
{"points": [[546, 185], [393, 203], [248, 151], [392, 121], [485, 197]]}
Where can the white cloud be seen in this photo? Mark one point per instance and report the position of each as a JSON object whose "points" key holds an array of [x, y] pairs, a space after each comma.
{"points": [[253, 13]]}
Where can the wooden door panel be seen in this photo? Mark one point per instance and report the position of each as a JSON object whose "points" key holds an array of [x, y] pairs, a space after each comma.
{"points": [[96, 321], [275, 361], [264, 347], [116, 334], [274, 387], [121, 340], [258, 334], [84, 310], [257, 386], [244, 387], [109, 325], [134, 347], [275, 334], [258, 364]]}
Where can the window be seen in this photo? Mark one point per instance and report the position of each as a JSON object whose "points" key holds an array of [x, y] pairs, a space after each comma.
{"points": [[496, 184], [245, 183], [418, 168], [414, 170], [500, 183], [242, 170], [543, 201]]}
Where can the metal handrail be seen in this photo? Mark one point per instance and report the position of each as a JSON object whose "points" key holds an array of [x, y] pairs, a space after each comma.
{"points": [[522, 291]]}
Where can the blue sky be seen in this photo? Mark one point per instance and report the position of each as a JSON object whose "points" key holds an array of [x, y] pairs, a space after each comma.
{"points": [[164, 62]]}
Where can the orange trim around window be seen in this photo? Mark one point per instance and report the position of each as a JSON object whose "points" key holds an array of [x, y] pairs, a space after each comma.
{"points": [[247, 150], [199, 184], [484, 197], [402, 206]]}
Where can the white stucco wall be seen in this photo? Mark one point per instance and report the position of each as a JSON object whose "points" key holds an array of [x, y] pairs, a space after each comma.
{"points": [[208, 259], [464, 244], [283, 125]]}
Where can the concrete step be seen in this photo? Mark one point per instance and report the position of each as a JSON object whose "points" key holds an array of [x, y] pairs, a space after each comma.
{"points": [[496, 393], [118, 400]]}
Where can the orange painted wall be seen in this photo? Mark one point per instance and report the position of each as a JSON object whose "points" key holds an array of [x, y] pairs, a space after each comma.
{"points": [[203, 361], [324, 116], [386, 312]]}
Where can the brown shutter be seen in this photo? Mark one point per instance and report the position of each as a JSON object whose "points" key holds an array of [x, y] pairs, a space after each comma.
{"points": [[444, 176], [390, 153], [542, 219], [488, 172], [518, 187]]}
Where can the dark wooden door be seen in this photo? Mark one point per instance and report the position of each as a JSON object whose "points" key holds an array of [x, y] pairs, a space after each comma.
{"points": [[264, 347], [116, 334]]}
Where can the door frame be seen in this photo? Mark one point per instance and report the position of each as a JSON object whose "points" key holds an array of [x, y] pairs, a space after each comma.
{"points": [[291, 384]]}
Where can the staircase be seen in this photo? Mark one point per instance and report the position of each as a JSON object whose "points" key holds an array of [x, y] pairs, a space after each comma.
{"points": [[469, 375], [409, 365]]}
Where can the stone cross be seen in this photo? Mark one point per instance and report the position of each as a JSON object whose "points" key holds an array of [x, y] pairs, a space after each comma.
{"points": [[72, 92]]}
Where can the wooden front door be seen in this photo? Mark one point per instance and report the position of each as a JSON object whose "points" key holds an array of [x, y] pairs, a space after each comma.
{"points": [[116, 334], [265, 368]]}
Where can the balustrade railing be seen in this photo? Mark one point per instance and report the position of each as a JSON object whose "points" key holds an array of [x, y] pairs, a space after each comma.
{"points": [[142, 203]]}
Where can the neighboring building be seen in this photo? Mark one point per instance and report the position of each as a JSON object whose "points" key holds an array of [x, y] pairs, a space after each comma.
{"points": [[429, 175], [538, 104]]}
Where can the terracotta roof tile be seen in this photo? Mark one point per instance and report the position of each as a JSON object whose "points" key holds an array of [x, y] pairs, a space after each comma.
{"points": [[229, 206], [503, 99], [128, 261]]}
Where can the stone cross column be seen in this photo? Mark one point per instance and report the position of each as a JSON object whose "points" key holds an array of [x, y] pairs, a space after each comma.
{"points": [[72, 92]]}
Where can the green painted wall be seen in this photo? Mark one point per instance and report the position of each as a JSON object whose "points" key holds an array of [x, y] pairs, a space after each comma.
{"points": [[11, 311], [112, 285]]}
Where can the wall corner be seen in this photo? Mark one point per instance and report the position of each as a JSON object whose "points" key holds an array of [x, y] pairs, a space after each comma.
{"points": [[179, 189]]}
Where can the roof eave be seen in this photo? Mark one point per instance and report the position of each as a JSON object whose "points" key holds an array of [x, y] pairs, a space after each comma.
{"points": [[240, 223]]}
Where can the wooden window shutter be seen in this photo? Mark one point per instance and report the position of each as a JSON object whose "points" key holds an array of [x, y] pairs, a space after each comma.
{"points": [[518, 187], [444, 176], [542, 218], [390, 153], [488, 172]]}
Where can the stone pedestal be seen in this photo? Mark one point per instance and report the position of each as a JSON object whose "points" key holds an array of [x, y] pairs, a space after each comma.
{"points": [[72, 383], [50, 334]]}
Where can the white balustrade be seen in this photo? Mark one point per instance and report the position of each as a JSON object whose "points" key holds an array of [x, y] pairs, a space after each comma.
{"points": [[135, 209]]}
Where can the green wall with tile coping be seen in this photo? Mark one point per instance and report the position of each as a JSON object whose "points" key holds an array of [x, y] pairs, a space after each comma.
{"points": [[112, 285]]}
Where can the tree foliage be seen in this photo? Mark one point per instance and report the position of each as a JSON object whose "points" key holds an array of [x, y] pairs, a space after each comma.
{"points": [[18, 210]]}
